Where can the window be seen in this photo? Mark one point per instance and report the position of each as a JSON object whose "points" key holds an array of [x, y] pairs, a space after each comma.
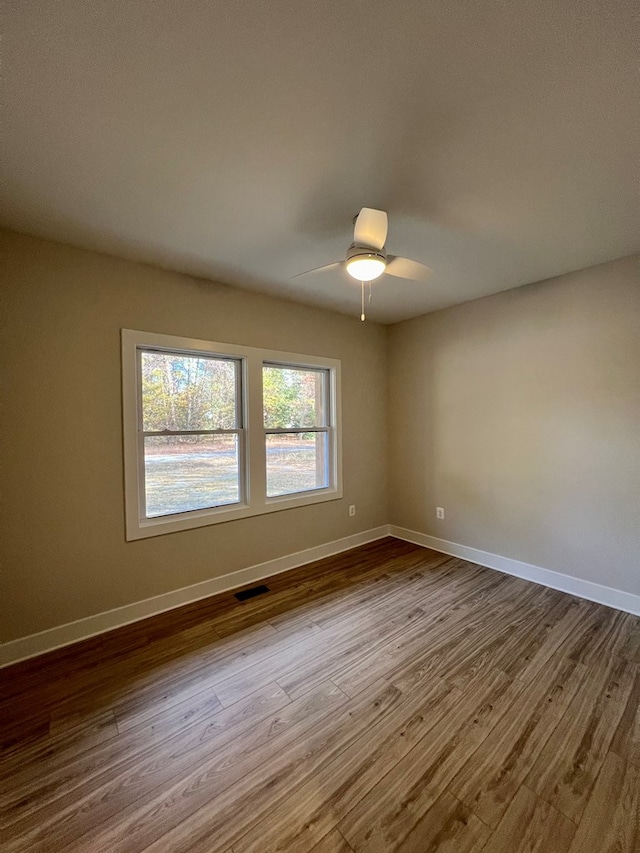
{"points": [[296, 428], [214, 432], [191, 434]]}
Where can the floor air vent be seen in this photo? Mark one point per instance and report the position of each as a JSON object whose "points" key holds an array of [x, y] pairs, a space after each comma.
{"points": [[244, 594]]}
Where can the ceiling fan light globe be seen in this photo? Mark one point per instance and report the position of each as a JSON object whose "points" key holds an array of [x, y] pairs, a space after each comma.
{"points": [[366, 267]]}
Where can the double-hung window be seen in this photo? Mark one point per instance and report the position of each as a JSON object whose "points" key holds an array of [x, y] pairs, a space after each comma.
{"points": [[297, 428], [215, 432], [191, 441]]}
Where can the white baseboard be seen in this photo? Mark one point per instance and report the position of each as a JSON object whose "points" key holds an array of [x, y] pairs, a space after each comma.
{"points": [[615, 598], [63, 635], [82, 629]]}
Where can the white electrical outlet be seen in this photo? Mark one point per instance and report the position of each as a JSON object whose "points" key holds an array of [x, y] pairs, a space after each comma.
{"points": [[352, 510], [439, 512]]}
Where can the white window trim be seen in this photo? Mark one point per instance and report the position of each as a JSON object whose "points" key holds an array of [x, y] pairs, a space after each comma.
{"points": [[254, 499]]}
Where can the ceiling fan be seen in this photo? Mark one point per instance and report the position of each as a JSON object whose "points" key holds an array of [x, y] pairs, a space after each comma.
{"points": [[366, 258]]}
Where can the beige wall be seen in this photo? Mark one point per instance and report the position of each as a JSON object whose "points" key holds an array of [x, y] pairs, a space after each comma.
{"points": [[520, 415], [63, 548]]}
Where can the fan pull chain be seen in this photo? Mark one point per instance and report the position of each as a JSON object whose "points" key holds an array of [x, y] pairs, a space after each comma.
{"points": [[362, 317]]}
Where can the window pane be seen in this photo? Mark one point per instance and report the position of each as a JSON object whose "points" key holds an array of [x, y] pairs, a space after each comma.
{"points": [[294, 397], [296, 463], [183, 392], [190, 472]]}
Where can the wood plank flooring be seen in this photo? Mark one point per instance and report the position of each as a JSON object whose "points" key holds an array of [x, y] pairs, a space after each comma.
{"points": [[386, 699]]}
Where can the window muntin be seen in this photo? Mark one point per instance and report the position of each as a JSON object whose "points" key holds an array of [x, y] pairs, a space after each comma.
{"points": [[297, 406], [238, 488]]}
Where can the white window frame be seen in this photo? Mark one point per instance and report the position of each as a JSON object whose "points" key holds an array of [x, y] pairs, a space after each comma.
{"points": [[252, 441]]}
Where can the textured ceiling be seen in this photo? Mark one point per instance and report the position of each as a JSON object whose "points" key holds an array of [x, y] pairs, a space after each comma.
{"points": [[236, 139]]}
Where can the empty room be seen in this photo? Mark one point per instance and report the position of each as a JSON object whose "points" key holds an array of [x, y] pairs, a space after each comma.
{"points": [[320, 443]]}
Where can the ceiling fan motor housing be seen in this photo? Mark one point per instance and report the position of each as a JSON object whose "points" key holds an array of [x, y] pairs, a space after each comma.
{"points": [[355, 251]]}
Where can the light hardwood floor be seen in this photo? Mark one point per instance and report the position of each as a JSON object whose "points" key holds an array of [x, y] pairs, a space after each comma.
{"points": [[387, 699]]}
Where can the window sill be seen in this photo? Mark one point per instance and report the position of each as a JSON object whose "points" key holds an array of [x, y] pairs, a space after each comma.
{"points": [[146, 528]]}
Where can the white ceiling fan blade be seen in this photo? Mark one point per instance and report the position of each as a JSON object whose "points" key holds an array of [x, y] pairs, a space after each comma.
{"points": [[370, 228], [319, 269], [404, 268]]}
